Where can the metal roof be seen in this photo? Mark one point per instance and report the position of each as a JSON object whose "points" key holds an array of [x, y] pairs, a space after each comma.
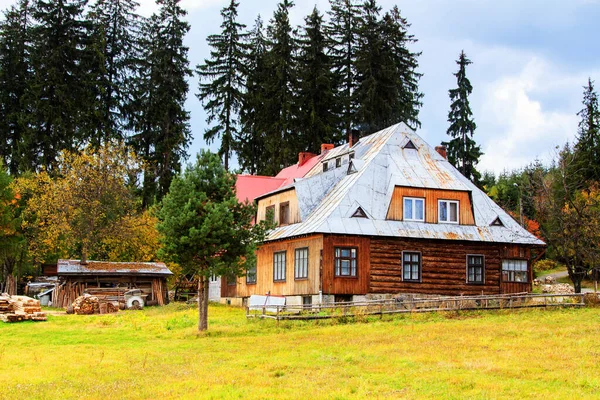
{"points": [[327, 199], [74, 267]]}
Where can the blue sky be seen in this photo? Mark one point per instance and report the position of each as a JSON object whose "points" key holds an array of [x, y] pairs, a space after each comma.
{"points": [[531, 59]]}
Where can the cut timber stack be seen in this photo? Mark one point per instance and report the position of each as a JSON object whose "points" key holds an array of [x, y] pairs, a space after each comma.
{"points": [[20, 308], [87, 305]]}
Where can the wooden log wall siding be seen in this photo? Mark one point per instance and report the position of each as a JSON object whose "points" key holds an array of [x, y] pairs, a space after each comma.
{"points": [[288, 196], [346, 285], [431, 196], [291, 286], [443, 268]]}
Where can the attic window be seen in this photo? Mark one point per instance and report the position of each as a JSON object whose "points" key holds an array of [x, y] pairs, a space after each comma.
{"points": [[359, 213], [325, 166], [350, 156], [338, 162], [497, 222], [410, 145]]}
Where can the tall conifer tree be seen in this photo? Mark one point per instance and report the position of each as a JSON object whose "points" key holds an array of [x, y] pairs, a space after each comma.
{"points": [[281, 139], [342, 43], [15, 76], [587, 148], [317, 113], [463, 152], [162, 123], [253, 116], [225, 72]]}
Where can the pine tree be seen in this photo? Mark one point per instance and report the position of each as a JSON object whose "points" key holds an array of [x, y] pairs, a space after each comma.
{"points": [[115, 41], [281, 140], [587, 149], [225, 71], [463, 152], [342, 43], [251, 141], [162, 122], [317, 114], [15, 76], [58, 92]]}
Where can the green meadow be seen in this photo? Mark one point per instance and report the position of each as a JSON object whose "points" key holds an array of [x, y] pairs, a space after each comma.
{"points": [[158, 354]]}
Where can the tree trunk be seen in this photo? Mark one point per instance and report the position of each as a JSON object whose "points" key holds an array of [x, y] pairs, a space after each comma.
{"points": [[202, 303]]}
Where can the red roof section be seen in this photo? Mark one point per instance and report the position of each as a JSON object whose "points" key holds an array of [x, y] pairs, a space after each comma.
{"points": [[249, 187]]}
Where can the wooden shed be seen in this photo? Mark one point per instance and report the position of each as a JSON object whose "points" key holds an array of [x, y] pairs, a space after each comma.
{"points": [[110, 279]]}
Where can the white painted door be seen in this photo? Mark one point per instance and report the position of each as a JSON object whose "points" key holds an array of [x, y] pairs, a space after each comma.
{"points": [[214, 288]]}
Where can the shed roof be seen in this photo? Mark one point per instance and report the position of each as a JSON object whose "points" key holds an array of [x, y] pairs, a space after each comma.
{"points": [[328, 199], [74, 267]]}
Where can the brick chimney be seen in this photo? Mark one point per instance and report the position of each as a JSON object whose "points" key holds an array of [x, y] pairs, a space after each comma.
{"points": [[303, 157], [442, 150], [353, 137], [325, 147]]}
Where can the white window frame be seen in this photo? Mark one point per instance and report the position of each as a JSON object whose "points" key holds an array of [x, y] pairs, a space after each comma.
{"points": [[513, 272], [448, 202], [482, 269], [413, 199], [420, 266], [301, 264]]}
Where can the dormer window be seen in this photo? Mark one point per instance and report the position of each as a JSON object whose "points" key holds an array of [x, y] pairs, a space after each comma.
{"points": [[359, 213], [338, 162], [325, 166], [284, 213], [410, 145], [414, 209], [448, 211], [497, 222]]}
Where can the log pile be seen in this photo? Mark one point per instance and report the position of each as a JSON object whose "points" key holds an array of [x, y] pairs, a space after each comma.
{"points": [[20, 308], [88, 304]]}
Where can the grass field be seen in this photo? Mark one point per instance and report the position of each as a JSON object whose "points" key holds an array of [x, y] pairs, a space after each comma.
{"points": [[156, 354]]}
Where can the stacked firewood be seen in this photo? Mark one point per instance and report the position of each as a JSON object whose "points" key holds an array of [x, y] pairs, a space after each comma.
{"points": [[88, 304], [20, 308]]}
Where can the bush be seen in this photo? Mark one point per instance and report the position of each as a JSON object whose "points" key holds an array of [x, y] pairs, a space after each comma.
{"points": [[545, 265]]}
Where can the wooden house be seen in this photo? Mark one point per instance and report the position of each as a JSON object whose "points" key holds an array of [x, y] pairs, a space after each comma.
{"points": [[108, 279], [385, 215]]}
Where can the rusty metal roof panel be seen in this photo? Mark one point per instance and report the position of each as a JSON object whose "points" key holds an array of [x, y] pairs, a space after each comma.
{"points": [[74, 267], [328, 199]]}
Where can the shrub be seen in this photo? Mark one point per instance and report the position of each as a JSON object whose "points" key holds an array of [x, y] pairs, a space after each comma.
{"points": [[545, 265]]}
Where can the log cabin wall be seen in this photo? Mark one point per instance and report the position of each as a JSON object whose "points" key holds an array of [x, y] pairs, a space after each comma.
{"points": [[346, 285], [288, 196], [291, 286], [431, 196], [443, 267]]}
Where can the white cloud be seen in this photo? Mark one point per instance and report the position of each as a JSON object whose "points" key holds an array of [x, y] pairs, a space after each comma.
{"points": [[148, 7], [518, 126]]}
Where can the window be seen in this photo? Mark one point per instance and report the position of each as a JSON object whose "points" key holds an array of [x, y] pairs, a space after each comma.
{"points": [[514, 270], [410, 145], [338, 162], [284, 213], [307, 300], [279, 266], [475, 268], [411, 266], [359, 213], [350, 156], [325, 166], [414, 209], [270, 213], [497, 222], [251, 275], [301, 263], [345, 261], [448, 211]]}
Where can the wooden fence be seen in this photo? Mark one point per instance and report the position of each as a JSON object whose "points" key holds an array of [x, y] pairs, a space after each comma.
{"points": [[413, 305]]}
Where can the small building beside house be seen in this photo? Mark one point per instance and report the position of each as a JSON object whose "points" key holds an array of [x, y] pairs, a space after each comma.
{"points": [[381, 216], [108, 279]]}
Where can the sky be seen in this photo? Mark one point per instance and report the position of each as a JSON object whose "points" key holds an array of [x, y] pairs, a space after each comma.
{"points": [[531, 59]]}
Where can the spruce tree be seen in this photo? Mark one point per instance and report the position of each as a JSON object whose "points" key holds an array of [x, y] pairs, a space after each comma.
{"points": [[116, 51], [15, 76], [225, 71], [281, 139], [586, 163], [162, 131], [58, 94], [463, 152], [253, 116], [316, 100], [342, 44]]}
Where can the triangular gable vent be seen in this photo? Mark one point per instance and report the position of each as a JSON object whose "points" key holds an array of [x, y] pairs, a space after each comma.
{"points": [[351, 167], [497, 222], [410, 145], [359, 213]]}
